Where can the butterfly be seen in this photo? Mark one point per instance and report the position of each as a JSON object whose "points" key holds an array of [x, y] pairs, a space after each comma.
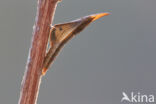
{"points": [[60, 34]]}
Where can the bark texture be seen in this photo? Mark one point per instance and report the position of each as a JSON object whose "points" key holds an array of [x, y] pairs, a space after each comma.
{"points": [[33, 74]]}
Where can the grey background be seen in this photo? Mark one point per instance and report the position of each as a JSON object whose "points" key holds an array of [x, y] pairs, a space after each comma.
{"points": [[114, 54]]}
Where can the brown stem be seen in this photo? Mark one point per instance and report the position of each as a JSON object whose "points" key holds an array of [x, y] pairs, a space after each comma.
{"points": [[32, 76]]}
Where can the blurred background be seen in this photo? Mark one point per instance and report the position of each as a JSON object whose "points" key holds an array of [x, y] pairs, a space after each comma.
{"points": [[115, 54]]}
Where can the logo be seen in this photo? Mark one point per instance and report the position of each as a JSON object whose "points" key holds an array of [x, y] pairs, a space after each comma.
{"points": [[137, 98]]}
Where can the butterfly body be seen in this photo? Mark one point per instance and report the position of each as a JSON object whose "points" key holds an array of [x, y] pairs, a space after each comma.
{"points": [[62, 33]]}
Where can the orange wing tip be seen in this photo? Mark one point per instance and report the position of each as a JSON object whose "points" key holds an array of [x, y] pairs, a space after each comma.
{"points": [[44, 70], [99, 15]]}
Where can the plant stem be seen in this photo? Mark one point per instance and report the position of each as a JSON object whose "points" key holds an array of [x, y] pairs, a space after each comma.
{"points": [[32, 76]]}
